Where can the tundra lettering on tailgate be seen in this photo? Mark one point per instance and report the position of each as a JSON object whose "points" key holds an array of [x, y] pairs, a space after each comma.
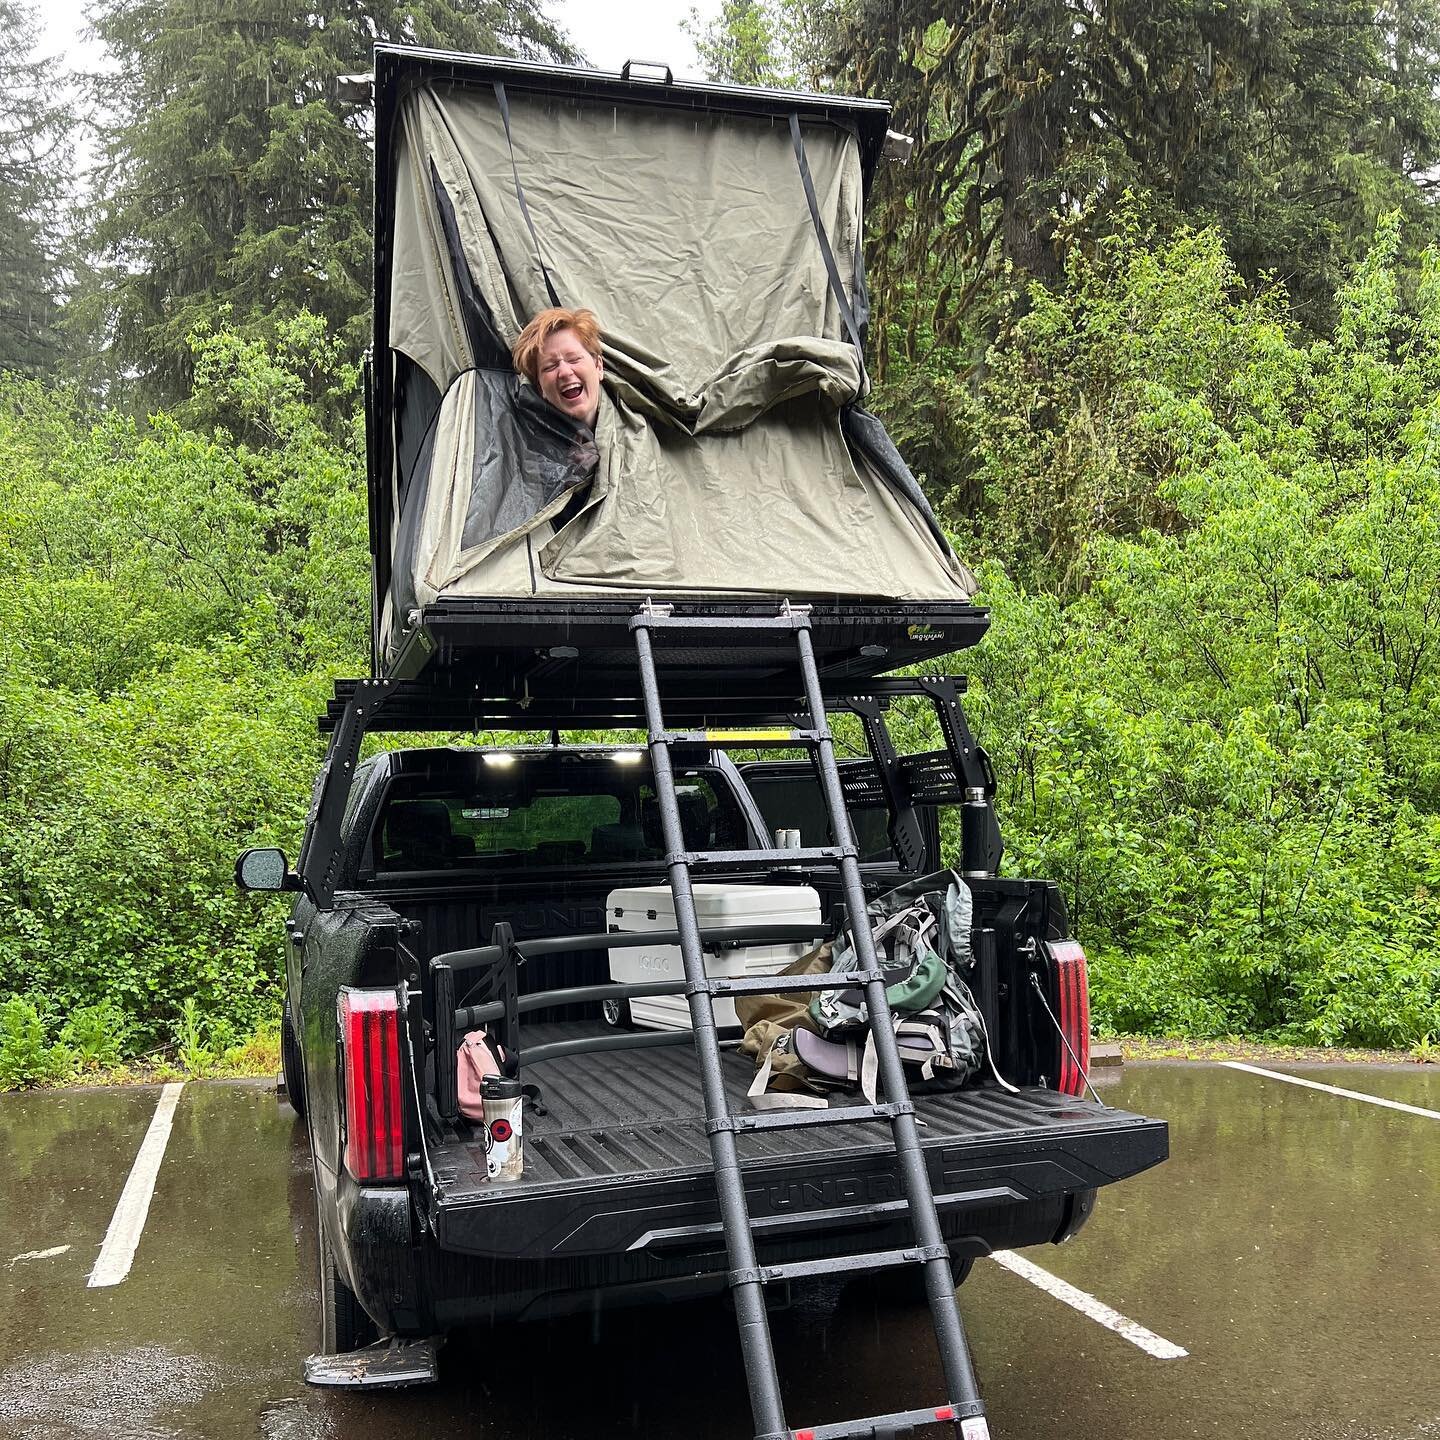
{"points": [[824, 1193]]}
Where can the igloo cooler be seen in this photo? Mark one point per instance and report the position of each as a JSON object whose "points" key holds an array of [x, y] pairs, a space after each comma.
{"points": [[652, 907]]}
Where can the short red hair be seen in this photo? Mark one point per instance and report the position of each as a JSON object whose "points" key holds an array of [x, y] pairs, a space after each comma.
{"points": [[526, 350]]}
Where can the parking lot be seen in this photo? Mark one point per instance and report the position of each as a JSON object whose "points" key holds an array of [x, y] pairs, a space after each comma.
{"points": [[1289, 1249]]}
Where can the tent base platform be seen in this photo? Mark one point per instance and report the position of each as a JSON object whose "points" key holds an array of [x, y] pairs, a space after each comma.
{"points": [[574, 660]]}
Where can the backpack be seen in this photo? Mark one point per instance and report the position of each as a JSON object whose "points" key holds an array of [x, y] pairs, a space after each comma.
{"points": [[921, 933], [905, 951], [480, 1055]]}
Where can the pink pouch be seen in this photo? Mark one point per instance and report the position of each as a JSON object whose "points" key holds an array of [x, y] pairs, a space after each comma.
{"points": [[479, 1056]]}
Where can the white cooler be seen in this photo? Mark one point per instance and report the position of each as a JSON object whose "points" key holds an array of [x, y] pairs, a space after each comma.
{"points": [[652, 907]]}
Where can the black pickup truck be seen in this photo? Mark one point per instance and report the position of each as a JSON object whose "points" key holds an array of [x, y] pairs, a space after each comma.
{"points": [[444, 857], [729, 540]]}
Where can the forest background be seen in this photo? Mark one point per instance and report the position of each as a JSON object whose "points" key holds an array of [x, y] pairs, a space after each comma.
{"points": [[1156, 320]]}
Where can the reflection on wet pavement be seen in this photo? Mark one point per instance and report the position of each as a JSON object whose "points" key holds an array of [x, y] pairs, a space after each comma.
{"points": [[208, 1321], [1290, 1245]]}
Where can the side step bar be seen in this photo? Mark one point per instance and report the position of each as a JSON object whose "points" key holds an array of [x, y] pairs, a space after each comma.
{"points": [[391, 1364]]}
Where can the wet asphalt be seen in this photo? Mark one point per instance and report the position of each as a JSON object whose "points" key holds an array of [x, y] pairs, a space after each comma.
{"points": [[1290, 1245]]}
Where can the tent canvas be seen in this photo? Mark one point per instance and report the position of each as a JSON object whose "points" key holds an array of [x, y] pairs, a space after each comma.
{"points": [[731, 455]]}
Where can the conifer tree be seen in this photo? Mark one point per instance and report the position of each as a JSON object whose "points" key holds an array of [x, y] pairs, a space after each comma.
{"points": [[236, 184], [35, 133], [1292, 127], [784, 44]]}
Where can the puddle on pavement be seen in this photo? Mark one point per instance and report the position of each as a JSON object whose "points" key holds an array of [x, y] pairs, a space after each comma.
{"points": [[1289, 1244], [126, 1394], [63, 1157], [217, 1305]]}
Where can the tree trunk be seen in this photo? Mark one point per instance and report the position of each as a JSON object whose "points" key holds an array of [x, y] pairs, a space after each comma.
{"points": [[1031, 145]]}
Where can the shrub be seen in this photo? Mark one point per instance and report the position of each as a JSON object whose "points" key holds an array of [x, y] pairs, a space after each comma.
{"points": [[95, 1035], [173, 603], [1224, 745], [26, 1055]]}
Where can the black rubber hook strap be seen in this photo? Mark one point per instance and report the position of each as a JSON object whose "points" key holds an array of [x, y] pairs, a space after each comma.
{"points": [[504, 105], [847, 314]]}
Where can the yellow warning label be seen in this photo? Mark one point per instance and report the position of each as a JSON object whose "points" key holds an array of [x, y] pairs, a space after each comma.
{"points": [[749, 734]]}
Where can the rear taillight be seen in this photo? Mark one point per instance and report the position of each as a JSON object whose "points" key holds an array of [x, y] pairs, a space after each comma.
{"points": [[1073, 1014], [370, 1065]]}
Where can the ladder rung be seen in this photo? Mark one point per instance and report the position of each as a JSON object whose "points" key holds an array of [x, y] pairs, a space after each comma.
{"points": [[795, 619], [777, 984], [880, 1424], [798, 1119], [841, 1264], [739, 739], [759, 859]]}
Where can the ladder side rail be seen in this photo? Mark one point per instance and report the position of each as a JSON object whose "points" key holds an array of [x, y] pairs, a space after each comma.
{"points": [[748, 1294], [939, 1283]]}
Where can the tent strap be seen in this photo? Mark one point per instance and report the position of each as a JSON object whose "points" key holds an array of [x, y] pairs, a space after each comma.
{"points": [[847, 315], [520, 193]]}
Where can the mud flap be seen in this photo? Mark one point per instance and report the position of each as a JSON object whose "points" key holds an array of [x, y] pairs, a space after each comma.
{"points": [[387, 1363]]}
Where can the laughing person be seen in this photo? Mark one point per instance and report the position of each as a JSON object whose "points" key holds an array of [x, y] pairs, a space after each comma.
{"points": [[558, 352]]}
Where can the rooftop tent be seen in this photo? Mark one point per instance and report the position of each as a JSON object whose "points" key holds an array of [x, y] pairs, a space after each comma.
{"points": [[715, 232]]}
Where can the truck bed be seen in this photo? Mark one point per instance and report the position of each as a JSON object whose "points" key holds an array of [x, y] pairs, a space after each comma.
{"points": [[621, 1157]]}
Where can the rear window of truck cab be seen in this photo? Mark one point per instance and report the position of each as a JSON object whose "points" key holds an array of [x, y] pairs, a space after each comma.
{"points": [[548, 810]]}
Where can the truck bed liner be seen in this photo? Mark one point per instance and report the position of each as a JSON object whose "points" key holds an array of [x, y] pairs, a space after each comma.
{"points": [[615, 1115]]}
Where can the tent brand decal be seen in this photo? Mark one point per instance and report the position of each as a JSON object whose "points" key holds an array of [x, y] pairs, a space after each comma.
{"points": [[924, 632]]}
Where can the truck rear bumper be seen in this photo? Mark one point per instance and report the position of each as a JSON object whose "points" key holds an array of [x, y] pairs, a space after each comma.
{"points": [[624, 1212]]}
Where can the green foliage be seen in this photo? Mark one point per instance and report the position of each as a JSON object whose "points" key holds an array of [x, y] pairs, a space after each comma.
{"points": [[26, 1055], [1288, 128], [785, 44], [1223, 743], [194, 1048], [1062, 445], [95, 1035], [172, 604]]}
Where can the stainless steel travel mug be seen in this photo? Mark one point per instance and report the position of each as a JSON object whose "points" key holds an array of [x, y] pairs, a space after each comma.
{"points": [[503, 1101]]}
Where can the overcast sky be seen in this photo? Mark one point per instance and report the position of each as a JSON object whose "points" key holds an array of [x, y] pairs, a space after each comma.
{"points": [[608, 31]]}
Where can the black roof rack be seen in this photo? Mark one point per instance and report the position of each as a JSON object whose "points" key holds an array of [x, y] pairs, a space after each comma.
{"points": [[418, 706]]}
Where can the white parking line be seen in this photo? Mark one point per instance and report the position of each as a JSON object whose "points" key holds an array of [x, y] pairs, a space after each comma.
{"points": [[1097, 1310], [118, 1251], [1334, 1090]]}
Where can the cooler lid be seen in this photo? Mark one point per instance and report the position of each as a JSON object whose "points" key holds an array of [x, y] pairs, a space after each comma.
{"points": [[720, 902]]}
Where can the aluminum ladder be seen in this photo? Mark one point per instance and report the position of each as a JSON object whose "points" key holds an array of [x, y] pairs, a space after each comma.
{"points": [[962, 1410]]}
